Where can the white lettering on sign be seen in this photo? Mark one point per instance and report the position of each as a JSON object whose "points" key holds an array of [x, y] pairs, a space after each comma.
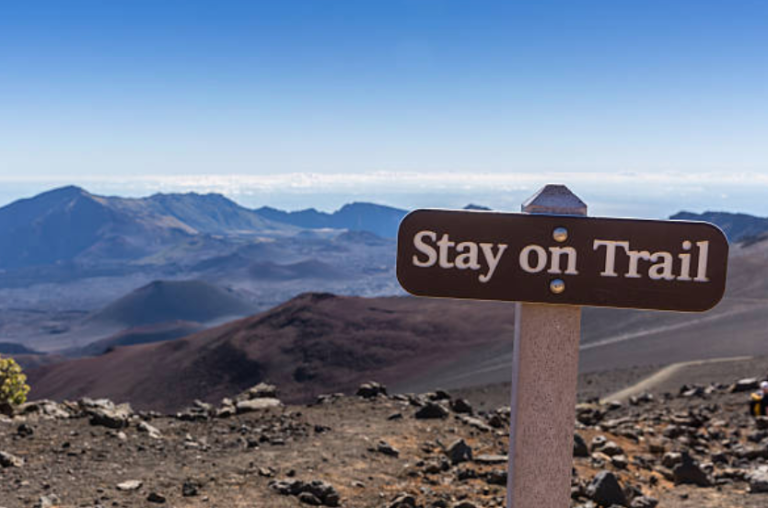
{"points": [[440, 250], [525, 258], [663, 267], [541, 256], [555, 266], [465, 256]]}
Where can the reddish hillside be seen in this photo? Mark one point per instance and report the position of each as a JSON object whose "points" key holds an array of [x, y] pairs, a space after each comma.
{"points": [[315, 343]]}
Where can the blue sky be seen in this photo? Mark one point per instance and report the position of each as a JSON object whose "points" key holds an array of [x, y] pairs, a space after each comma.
{"points": [[288, 102]]}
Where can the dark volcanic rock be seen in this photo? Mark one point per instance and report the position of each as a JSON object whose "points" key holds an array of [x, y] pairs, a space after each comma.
{"points": [[322, 491], [458, 452], [745, 385], [431, 410], [190, 488], [403, 501], [689, 471], [461, 406], [154, 497], [758, 480], [605, 490], [105, 413], [644, 502], [8, 460], [387, 449], [371, 390], [580, 448]]}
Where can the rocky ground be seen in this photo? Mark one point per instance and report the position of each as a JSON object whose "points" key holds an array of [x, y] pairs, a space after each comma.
{"points": [[695, 448]]}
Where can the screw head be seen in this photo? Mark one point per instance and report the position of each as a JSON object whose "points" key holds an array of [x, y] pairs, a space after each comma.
{"points": [[560, 234], [557, 286]]}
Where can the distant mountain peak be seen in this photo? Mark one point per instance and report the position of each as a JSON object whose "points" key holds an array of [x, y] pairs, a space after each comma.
{"points": [[66, 192], [736, 226], [472, 206], [381, 220]]}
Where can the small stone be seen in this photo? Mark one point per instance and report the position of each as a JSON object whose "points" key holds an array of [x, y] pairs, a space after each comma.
{"points": [[403, 501], [25, 430], [129, 485], [461, 406], [491, 459], [154, 497], [644, 502], [387, 449], [146, 428], [8, 460], [620, 461], [309, 498], [597, 443], [610, 448], [49, 501], [190, 488]]}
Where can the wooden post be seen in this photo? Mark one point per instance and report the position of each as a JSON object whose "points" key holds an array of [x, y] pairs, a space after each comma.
{"points": [[544, 377]]}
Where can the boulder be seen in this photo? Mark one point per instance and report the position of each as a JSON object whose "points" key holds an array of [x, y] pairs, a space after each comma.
{"points": [[671, 459], [46, 409], [431, 410], [403, 501], [260, 391], [605, 490], [324, 492], [146, 428], [745, 385], [8, 460], [104, 413], [461, 406], [475, 422], [610, 448], [371, 390], [689, 471], [758, 480], [459, 451], [580, 448], [246, 406]]}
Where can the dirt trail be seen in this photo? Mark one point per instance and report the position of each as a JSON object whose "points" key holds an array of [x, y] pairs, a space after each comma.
{"points": [[664, 375]]}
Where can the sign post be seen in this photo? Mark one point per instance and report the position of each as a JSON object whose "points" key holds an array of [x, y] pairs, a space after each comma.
{"points": [[555, 259], [545, 369]]}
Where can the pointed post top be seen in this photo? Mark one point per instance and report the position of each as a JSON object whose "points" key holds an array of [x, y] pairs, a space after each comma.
{"points": [[555, 199]]}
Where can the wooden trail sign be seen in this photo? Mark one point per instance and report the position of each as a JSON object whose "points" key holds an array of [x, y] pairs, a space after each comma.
{"points": [[559, 257], [642, 264]]}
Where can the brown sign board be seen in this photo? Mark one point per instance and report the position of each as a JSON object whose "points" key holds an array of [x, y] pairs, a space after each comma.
{"points": [[559, 259]]}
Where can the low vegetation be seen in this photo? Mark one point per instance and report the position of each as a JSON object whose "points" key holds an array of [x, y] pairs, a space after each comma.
{"points": [[13, 383]]}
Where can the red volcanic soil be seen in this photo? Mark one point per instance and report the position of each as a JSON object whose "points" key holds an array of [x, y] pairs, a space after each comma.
{"points": [[315, 343]]}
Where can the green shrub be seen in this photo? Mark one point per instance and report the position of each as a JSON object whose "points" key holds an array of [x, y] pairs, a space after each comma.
{"points": [[13, 383]]}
